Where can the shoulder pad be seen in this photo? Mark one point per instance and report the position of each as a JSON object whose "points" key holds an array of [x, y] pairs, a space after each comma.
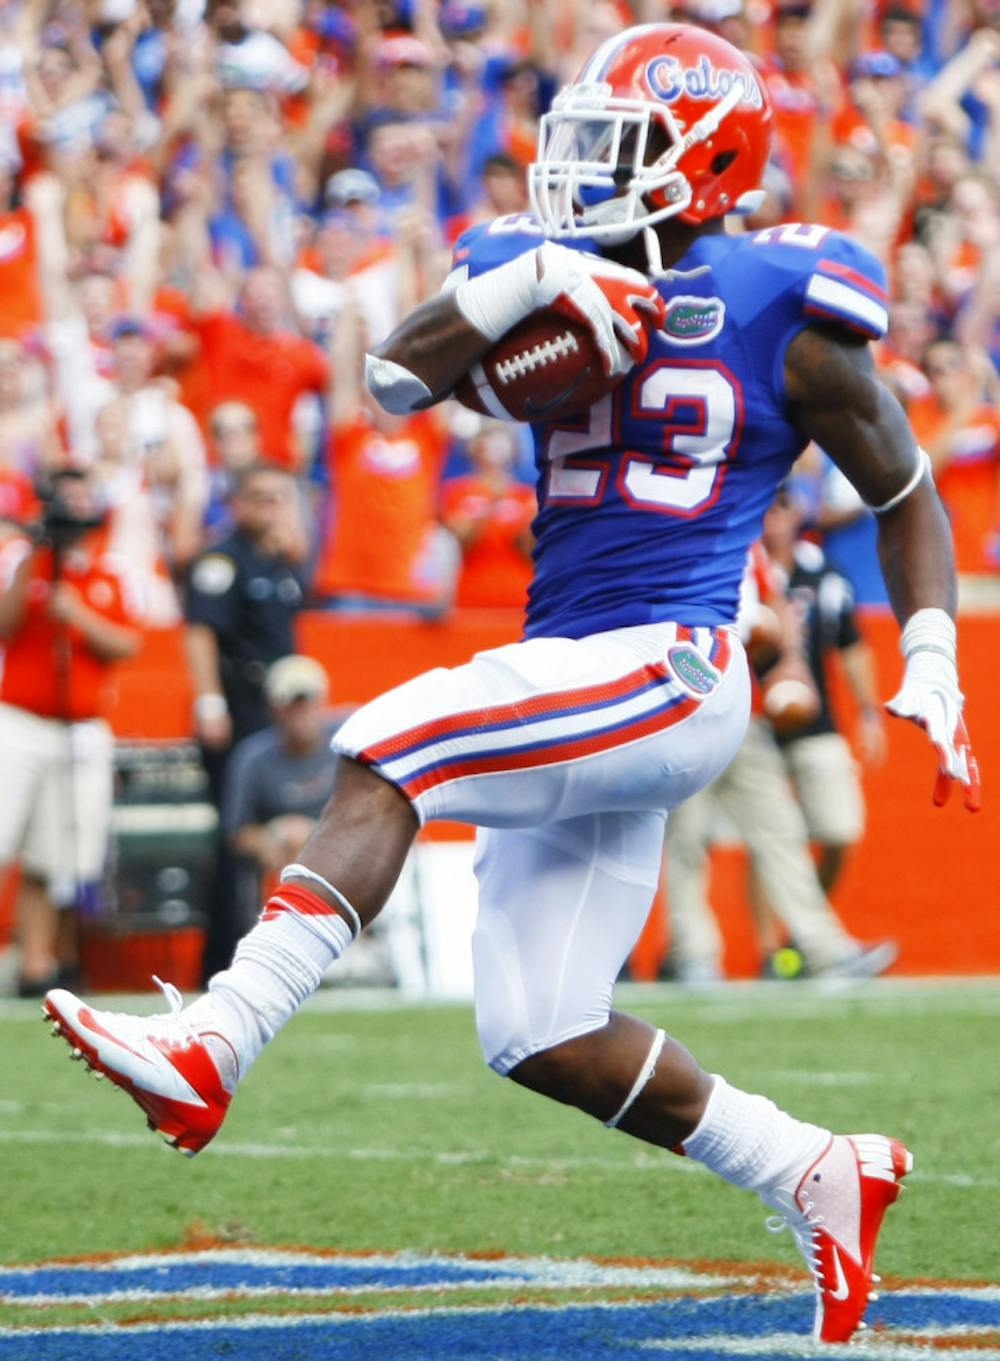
{"points": [[832, 277], [488, 244]]}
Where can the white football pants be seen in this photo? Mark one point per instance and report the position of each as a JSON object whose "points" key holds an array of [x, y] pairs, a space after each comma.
{"points": [[571, 751]]}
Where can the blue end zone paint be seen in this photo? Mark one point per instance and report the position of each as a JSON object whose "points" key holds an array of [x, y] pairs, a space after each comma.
{"points": [[647, 1332], [677, 1328], [169, 1277]]}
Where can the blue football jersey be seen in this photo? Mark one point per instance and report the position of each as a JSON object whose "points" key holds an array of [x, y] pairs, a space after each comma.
{"points": [[649, 500]]}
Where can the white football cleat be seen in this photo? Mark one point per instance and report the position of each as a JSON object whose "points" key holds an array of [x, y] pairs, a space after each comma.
{"points": [[835, 1213], [182, 1077]]}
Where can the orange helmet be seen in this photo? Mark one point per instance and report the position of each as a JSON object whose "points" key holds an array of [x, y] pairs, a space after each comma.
{"points": [[664, 120]]}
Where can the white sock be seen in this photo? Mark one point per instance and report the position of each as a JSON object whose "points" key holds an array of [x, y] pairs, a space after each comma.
{"points": [[276, 967], [750, 1142]]}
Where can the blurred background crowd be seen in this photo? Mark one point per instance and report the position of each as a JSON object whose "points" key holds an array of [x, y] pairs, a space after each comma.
{"points": [[210, 208]]}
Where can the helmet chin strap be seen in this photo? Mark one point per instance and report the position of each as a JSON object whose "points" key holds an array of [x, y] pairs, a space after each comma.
{"points": [[654, 256], [653, 253]]}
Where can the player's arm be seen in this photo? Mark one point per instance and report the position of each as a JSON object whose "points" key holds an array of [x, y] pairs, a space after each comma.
{"points": [[437, 343], [835, 398]]}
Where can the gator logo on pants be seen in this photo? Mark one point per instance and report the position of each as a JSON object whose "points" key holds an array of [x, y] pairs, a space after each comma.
{"points": [[694, 671]]}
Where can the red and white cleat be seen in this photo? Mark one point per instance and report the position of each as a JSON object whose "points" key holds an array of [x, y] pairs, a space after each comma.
{"points": [[182, 1077], [835, 1214]]}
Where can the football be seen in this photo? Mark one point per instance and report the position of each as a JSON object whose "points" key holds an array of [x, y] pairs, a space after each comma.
{"points": [[789, 697], [546, 367]]}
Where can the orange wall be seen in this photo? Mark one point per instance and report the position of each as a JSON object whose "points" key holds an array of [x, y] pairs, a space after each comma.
{"points": [[927, 876]]}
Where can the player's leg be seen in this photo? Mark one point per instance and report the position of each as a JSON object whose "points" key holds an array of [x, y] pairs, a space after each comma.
{"points": [[182, 1068], [560, 908], [495, 741]]}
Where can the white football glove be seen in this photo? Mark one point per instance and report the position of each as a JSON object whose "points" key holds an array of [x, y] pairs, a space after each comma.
{"points": [[929, 696], [617, 303]]}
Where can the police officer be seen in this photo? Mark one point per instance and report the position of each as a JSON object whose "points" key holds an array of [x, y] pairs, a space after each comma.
{"points": [[241, 600]]}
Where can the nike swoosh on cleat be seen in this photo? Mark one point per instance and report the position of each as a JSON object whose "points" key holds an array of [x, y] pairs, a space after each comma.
{"points": [[87, 1019], [843, 1289]]}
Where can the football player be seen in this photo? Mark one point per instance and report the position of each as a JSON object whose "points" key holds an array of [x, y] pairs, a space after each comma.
{"points": [[629, 690]]}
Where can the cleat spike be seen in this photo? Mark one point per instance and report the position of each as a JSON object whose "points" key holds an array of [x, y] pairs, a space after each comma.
{"points": [[873, 1295], [97, 1075], [56, 1028], [876, 1278], [76, 1055]]}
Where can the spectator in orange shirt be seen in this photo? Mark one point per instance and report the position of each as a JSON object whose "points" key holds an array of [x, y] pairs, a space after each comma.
{"points": [[960, 429], [253, 356], [66, 614], [19, 277], [385, 546], [872, 121], [490, 513], [805, 89]]}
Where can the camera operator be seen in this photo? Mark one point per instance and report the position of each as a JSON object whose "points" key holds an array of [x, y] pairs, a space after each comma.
{"points": [[66, 615]]}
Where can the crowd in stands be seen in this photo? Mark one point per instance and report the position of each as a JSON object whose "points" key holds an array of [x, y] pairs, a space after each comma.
{"points": [[210, 208]]}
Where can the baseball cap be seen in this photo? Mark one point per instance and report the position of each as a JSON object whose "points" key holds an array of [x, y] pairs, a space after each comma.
{"points": [[129, 326], [715, 11], [351, 186], [875, 64], [295, 677]]}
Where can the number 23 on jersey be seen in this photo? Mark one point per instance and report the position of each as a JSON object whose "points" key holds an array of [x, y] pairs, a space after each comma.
{"points": [[684, 421]]}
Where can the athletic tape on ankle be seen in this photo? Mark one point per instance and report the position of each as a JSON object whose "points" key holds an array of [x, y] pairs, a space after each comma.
{"points": [[645, 1073], [303, 872]]}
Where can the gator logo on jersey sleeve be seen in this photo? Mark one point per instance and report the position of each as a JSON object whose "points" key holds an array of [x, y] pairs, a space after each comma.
{"points": [[694, 671], [693, 321]]}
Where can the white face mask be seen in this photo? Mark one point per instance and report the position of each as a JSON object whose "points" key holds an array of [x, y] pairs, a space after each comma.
{"points": [[590, 177]]}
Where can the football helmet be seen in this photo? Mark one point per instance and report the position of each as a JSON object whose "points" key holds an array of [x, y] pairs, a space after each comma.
{"points": [[664, 120]]}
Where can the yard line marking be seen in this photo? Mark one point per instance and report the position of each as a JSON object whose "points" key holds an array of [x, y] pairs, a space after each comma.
{"points": [[657, 1161], [865, 1348]]}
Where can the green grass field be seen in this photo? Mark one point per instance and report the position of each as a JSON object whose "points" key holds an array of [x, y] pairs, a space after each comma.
{"points": [[371, 1124]]}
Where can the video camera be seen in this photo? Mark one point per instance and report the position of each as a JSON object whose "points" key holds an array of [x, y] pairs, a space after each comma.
{"points": [[66, 515]]}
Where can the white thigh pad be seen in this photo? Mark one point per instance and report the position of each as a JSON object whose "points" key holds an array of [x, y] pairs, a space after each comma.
{"points": [[560, 909]]}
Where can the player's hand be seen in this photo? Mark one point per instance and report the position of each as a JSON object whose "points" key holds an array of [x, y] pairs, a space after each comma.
{"points": [[930, 697], [618, 304]]}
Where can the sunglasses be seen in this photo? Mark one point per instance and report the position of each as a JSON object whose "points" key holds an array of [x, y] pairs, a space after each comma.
{"points": [[221, 431]]}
